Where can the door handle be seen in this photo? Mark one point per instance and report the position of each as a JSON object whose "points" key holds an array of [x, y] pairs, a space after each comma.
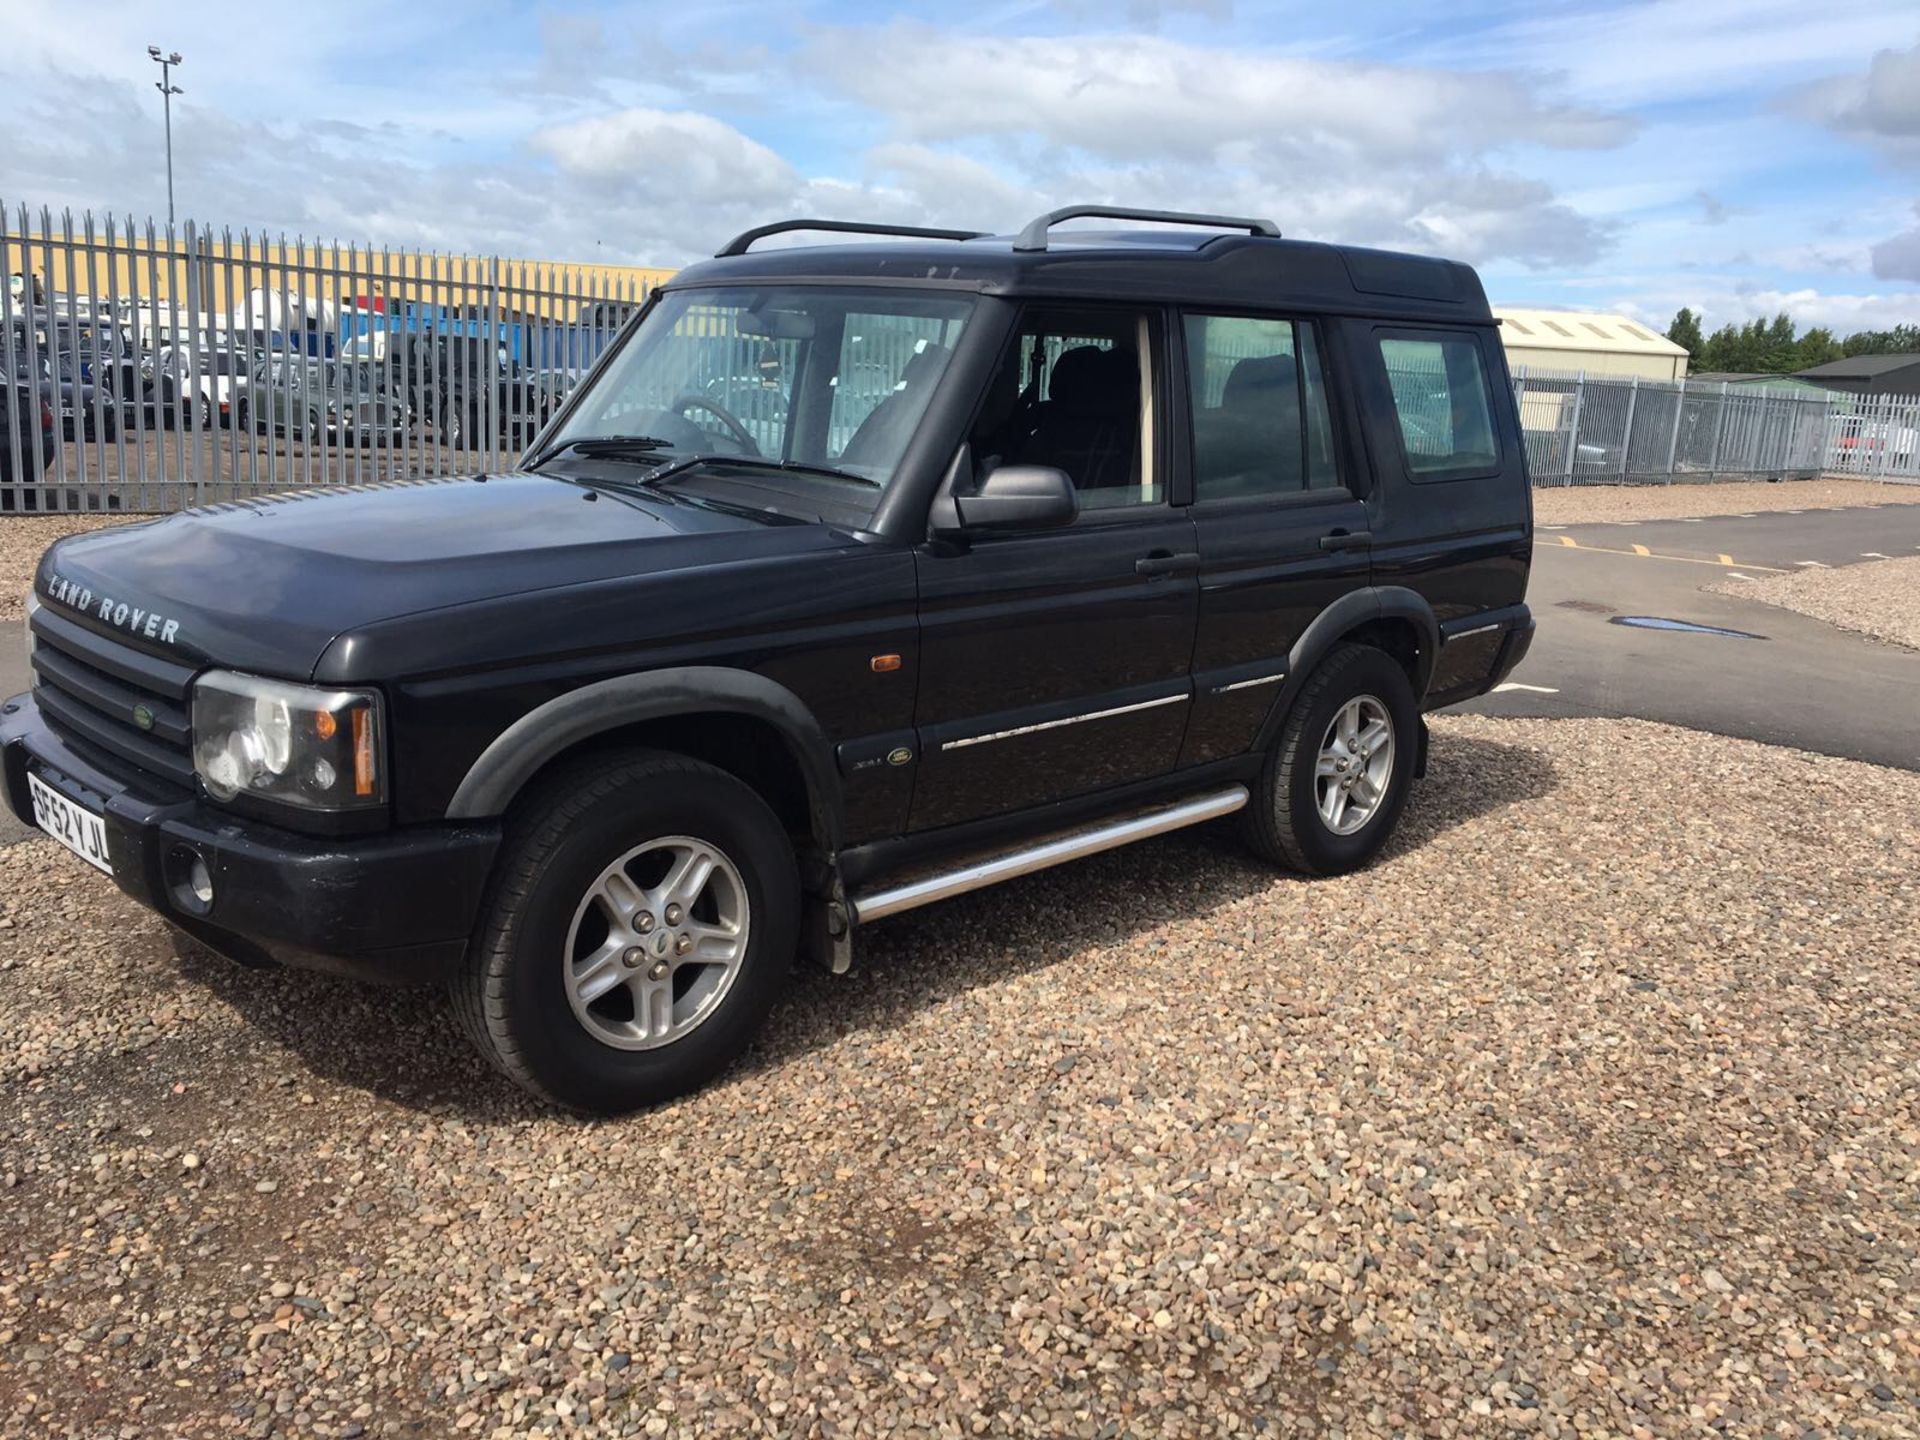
{"points": [[1347, 540], [1165, 562]]}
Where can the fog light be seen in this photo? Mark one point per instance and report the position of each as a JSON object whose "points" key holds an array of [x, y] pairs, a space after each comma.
{"points": [[189, 879]]}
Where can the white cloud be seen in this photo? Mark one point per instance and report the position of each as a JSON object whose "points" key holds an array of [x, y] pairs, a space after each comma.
{"points": [[1880, 103], [692, 156], [1899, 257], [1842, 313], [1370, 154], [1130, 97]]}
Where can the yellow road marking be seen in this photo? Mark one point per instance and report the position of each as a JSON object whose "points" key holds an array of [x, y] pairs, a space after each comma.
{"points": [[1641, 552]]}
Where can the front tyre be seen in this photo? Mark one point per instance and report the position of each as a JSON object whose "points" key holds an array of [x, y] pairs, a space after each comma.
{"points": [[639, 926], [1336, 780]]}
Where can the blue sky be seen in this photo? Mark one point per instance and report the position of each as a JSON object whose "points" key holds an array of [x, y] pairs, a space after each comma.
{"points": [[1739, 157]]}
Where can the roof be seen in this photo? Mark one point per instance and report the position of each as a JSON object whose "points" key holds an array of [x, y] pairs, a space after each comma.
{"points": [[1144, 265], [1860, 367], [1751, 377], [1579, 330]]}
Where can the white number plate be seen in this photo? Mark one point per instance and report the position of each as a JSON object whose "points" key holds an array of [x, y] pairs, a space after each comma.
{"points": [[74, 826]]}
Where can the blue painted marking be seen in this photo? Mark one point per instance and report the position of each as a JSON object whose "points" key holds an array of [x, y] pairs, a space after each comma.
{"points": [[1654, 622]]}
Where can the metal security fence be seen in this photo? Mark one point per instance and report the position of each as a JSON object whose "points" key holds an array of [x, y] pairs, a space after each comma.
{"points": [[1876, 436], [1595, 430], [148, 369]]}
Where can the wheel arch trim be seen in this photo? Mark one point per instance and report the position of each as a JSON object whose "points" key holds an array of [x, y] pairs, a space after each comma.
{"points": [[548, 731], [1339, 620]]}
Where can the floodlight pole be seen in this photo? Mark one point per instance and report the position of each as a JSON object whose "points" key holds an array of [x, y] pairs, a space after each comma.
{"points": [[167, 90]]}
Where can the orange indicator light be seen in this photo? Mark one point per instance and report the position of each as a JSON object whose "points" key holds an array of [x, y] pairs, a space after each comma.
{"points": [[883, 663], [362, 752]]}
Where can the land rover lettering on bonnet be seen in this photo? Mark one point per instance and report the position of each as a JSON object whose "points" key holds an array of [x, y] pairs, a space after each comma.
{"points": [[854, 577]]}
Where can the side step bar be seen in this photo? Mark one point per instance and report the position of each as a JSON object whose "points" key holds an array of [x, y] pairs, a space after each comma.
{"points": [[978, 873]]}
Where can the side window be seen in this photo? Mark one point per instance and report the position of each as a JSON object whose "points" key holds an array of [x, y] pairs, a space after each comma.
{"points": [[1439, 385], [1260, 419], [1076, 394]]}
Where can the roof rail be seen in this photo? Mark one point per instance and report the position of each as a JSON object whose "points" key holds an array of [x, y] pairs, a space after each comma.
{"points": [[739, 243], [1034, 237]]}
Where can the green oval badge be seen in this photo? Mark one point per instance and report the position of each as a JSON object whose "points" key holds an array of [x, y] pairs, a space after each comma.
{"points": [[900, 756], [143, 717]]}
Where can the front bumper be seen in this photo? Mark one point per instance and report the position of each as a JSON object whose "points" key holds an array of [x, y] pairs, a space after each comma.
{"points": [[396, 906]]}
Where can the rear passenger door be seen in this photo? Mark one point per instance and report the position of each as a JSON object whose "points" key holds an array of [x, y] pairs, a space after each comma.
{"points": [[1452, 512], [1282, 530]]}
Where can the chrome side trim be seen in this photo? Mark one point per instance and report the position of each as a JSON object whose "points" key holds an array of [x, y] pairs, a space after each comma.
{"points": [[1477, 630], [1248, 684], [876, 904], [1056, 724]]}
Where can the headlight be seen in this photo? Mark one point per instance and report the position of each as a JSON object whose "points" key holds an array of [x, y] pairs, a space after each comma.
{"points": [[297, 744]]}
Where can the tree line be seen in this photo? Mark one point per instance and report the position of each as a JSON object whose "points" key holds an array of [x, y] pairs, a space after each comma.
{"points": [[1777, 347]]}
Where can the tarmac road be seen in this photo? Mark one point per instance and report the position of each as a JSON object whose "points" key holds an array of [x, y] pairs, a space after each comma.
{"points": [[1796, 681], [1800, 683]]}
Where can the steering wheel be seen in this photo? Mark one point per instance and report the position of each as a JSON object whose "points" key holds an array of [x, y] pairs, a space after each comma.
{"points": [[719, 412]]}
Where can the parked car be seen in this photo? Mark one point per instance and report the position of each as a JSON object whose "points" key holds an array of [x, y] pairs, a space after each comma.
{"points": [[1136, 537], [90, 405], [22, 413], [463, 384], [1859, 441], [326, 401]]}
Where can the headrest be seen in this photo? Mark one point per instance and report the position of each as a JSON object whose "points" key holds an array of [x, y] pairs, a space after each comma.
{"points": [[922, 369], [1079, 377], [1256, 381]]}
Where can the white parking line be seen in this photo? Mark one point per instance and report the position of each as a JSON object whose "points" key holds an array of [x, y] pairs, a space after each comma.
{"points": [[1873, 555], [1692, 520], [1516, 685], [1736, 575], [1814, 564]]}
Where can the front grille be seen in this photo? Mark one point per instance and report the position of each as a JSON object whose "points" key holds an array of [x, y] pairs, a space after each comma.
{"points": [[95, 692]]}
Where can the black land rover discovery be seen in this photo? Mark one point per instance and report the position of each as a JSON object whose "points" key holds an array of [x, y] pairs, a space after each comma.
{"points": [[852, 577]]}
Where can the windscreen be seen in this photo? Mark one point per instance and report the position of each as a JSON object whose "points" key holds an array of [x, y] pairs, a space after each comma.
{"points": [[806, 374]]}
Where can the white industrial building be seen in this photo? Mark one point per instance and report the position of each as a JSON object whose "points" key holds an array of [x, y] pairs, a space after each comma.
{"points": [[1573, 341]]}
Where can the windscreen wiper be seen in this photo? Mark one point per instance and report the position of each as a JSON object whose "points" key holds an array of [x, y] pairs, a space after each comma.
{"points": [[610, 447], [752, 462]]}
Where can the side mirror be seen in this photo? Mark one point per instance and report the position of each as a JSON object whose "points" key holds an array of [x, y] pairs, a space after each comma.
{"points": [[1020, 497]]}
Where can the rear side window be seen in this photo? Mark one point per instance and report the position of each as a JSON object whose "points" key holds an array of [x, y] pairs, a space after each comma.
{"points": [[1260, 423], [1440, 395]]}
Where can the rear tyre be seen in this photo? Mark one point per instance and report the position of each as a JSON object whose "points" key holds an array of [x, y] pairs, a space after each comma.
{"points": [[638, 928], [1336, 779]]}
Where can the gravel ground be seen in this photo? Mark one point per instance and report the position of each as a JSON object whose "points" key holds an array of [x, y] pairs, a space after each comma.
{"points": [[1880, 598], [1582, 504], [1591, 1110]]}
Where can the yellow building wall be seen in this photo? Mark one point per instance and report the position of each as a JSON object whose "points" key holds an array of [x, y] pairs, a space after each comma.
{"points": [[128, 266], [1598, 362]]}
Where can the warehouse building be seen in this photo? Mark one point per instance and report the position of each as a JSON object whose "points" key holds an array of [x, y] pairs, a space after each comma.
{"points": [[1868, 375], [1574, 341]]}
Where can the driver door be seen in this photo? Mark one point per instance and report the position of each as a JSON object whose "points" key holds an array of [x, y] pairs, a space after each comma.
{"points": [[1055, 663]]}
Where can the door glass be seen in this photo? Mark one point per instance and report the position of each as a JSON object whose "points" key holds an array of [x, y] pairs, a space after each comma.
{"points": [[1260, 420], [1076, 394], [1440, 393]]}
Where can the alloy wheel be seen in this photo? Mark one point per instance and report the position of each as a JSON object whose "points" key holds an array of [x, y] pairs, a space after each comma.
{"points": [[656, 942], [1355, 765]]}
